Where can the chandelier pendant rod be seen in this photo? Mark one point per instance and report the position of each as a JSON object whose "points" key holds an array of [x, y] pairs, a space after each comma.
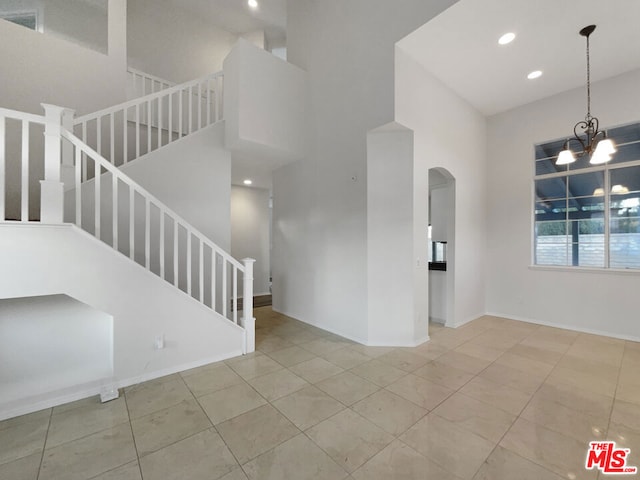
{"points": [[588, 79]]}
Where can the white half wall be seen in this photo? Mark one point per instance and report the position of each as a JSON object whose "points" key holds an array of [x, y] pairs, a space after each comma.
{"points": [[78, 21], [264, 106], [250, 238], [449, 134], [41, 68], [51, 343], [41, 260], [593, 301]]}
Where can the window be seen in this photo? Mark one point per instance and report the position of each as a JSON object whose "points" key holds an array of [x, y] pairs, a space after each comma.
{"points": [[585, 215]]}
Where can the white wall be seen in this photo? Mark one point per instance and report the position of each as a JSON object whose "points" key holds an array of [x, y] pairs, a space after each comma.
{"points": [[320, 224], [44, 260], [597, 301], [51, 343], [257, 38], [78, 21], [168, 41], [438, 296], [250, 225], [264, 103], [441, 212], [45, 69], [192, 176], [451, 134]]}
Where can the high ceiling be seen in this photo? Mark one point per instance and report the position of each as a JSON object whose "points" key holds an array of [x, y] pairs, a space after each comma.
{"points": [[460, 47], [237, 17]]}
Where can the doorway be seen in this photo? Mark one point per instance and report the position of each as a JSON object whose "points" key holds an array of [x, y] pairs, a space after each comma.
{"points": [[441, 247]]}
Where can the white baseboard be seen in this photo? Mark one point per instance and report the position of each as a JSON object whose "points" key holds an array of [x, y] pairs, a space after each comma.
{"points": [[564, 326], [467, 320], [171, 370], [48, 400], [78, 392], [357, 339], [330, 330]]}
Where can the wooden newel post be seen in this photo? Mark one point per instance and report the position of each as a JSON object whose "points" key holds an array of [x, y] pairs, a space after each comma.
{"points": [[248, 321], [52, 188]]}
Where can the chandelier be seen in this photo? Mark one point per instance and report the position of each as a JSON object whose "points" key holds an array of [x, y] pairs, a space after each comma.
{"points": [[594, 142]]}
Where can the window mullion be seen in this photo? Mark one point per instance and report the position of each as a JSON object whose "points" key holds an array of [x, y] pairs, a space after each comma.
{"points": [[567, 224], [607, 212]]}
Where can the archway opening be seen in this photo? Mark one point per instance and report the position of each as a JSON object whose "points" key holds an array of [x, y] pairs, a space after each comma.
{"points": [[441, 247]]}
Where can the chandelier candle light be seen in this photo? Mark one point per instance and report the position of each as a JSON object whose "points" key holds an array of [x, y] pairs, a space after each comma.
{"points": [[596, 144]]}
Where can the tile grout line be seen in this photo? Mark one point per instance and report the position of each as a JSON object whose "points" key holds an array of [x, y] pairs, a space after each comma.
{"points": [[135, 444], [432, 411], [523, 409], [213, 425], [615, 393], [44, 445]]}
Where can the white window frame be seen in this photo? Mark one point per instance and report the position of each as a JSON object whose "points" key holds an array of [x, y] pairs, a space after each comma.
{"points": [[606, 169]]}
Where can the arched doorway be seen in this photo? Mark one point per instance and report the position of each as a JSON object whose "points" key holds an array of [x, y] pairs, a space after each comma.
{"points": [[441, 246]]}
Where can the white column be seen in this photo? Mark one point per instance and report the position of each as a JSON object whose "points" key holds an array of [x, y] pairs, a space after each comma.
{"points": [[51, 188], [248, 321]]}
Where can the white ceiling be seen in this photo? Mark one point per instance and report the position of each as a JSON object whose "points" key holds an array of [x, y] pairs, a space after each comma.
{"points": [[236, 16], [260, 173], [460, 47]]}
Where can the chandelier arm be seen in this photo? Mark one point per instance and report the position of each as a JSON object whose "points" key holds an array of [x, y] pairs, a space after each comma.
{"points": [[584, 125], [596, 128]]}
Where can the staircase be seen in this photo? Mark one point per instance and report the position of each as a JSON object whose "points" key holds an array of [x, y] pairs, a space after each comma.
{"points": [[66, 188], [128, 131]]}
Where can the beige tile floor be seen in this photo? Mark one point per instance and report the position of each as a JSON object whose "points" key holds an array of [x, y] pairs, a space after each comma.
{"points": [[495, 399]]}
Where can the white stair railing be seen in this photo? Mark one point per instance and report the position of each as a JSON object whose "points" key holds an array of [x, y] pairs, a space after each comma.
{"points": [[25, 182], [116, 210], [141, 83], [126, 132]]}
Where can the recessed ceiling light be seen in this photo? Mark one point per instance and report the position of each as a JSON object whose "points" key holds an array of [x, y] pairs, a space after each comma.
{"points": [[506, 38], [534, 74], [253, 3], [247, 182]]}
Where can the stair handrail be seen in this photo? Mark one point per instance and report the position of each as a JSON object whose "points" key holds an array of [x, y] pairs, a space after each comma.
{"points": [[145, 99], [18, 115], [82, 151], [120, 175], [22, 139], [144, 76], [127, 131], [64, 158]]}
